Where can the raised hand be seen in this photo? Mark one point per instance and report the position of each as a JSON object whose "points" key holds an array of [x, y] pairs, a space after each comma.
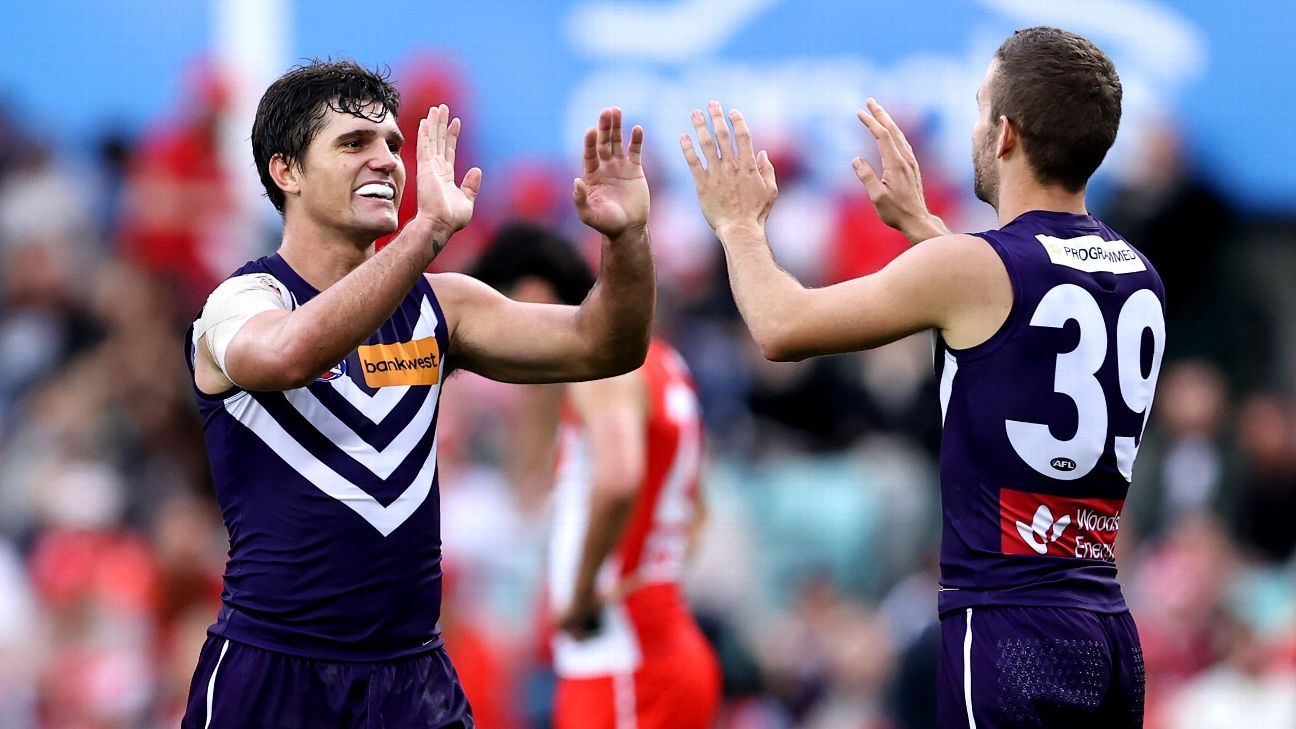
{"points": [[612, 196], [447, 205], [897, 193], [737, 186]]}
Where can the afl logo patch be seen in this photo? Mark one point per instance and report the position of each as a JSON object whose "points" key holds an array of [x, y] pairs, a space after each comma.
{"points": [[337, 371], [1063, 464]]}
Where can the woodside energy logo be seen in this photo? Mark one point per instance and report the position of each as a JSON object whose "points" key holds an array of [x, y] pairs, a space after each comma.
{"points": [[1044, 525]]}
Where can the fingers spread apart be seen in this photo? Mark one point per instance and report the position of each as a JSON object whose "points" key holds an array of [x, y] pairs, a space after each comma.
{"points": [[705, 140], [605, 142]]}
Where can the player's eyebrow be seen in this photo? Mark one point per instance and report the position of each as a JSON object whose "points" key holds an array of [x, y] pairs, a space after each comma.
{"points": [[363, 134], [366, 134]]}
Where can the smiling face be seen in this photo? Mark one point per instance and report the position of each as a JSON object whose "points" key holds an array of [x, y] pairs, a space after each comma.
{"points": [[985, 137], [351, 177]]}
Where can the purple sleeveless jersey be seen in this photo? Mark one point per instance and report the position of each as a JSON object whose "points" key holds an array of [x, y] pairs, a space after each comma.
{"points": [[1042, 421], [329, 493]]}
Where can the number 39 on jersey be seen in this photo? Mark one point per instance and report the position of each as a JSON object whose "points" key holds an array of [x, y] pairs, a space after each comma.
{"points": [[1075, 376]]}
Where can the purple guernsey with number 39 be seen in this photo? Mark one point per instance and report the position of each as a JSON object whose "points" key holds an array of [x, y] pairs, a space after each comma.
{"points": [[1041, 426], [1042, 421]]}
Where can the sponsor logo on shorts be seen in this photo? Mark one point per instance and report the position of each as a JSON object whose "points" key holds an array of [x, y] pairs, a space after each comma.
{"points": [[417, 362], [1057, 526]]}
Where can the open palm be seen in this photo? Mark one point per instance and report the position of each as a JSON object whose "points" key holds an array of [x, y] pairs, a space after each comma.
{"points": [[612, 196], [439, 198]]}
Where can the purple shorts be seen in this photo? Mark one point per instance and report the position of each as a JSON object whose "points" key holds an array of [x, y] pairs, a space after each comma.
{"points": [[238, 686], [1039, 667]]}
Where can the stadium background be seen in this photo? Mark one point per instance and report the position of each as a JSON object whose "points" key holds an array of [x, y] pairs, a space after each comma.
{"points": [[126, 191]]}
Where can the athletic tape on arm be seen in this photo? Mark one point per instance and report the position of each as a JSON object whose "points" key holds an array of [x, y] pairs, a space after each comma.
{"points": [[232, 305]]}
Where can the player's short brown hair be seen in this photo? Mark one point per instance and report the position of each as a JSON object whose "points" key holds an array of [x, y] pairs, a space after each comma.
{"points": [[1063, 95], [292, 110]]}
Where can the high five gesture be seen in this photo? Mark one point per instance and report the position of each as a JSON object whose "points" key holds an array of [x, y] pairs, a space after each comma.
{"points": [[612, 195], [447, 205], [897, 193], [737, 186]]}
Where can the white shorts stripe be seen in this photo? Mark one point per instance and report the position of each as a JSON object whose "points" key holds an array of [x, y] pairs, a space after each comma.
{"points": [[211, 683], [967, 670], [623, 700]]}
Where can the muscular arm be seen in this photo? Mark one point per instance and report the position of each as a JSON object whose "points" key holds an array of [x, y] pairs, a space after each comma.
{"points": [[608, 333], [614, 414], [514, 341], [282, 350], [953, 283]]}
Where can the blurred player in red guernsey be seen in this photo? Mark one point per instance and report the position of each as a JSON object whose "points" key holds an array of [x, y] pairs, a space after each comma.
{"points": [[627, 511]]}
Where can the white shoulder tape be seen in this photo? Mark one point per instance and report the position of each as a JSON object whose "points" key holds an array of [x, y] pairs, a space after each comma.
{"points": [[232, 305]]}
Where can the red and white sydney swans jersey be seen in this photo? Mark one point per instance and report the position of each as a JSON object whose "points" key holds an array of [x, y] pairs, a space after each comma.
{"points": [[651, 551]]}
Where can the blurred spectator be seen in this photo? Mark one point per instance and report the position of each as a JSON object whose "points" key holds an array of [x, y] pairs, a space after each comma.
{"points": [[814, 402], [43, 322], [1173, 213], [1186, 456], [18, 642], [1244, 689], [802, 231], [426, 80], [1267, 490], [180, 221], [41, 203], [1177, 594], [861, 242]]}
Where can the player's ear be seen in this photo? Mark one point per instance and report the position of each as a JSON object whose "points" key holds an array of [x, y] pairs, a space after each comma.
{"points": [[286, 176], [1008, 137]]}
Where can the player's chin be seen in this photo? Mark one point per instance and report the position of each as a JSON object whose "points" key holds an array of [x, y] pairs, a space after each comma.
{"points": [[377, 223]]}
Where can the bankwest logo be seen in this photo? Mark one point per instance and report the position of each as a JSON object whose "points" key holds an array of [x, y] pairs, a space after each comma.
{"points": [[1091, 254], [417, 362], [1057, 526]]}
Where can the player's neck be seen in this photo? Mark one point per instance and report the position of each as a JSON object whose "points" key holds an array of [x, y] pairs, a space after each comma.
{"points": [[1022, 196], [321, 256]]}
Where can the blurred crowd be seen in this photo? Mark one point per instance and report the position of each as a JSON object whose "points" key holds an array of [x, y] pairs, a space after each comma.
{"points": [[816, 579]]}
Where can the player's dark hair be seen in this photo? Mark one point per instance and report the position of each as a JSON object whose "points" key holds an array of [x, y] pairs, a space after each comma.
{"points": [[1062, 93], [292, 110], [524, 250]]}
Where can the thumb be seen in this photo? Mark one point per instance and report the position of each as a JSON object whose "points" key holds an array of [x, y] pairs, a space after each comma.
{"points": [[472, 183], [864, 171]]}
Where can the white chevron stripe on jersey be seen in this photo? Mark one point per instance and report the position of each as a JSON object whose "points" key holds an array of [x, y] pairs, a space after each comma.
{"points": [[385, 519], [375, 407], [379, 405], [380, 463]]}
